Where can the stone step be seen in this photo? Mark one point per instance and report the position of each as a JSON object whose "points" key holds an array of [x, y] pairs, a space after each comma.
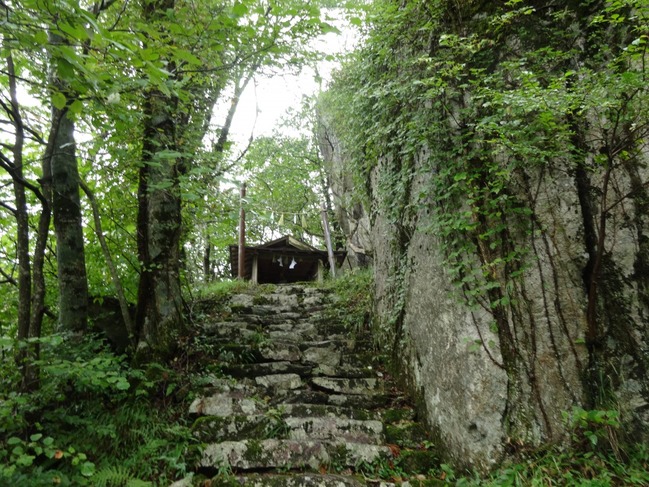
{"points": [[319, 410], [328, 428], [292, 332], [298, 480], [292, 454], [276, 424], [279, 382], [232, 428], [344, 345], [230, 329], [307, 396], [267, 368], [344, 372], [362, 386], [226, 403], [280, 351]]}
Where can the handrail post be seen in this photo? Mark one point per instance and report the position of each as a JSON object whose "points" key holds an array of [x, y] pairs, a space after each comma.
{"points": [[242, 235]]}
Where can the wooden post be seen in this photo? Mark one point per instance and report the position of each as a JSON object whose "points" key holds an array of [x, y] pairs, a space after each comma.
{"points": [[330, 251], [242, 235], [255, 269]]}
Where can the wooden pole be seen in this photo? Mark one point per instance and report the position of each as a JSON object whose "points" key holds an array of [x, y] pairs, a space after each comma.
{"points": [[242, 235], [330, 251]]}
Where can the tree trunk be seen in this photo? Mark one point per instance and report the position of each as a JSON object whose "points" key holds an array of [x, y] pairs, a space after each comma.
{"points": [[159, 311], [66, 206]]}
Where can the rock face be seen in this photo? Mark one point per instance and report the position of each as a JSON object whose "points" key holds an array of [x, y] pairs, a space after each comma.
{"points": [[507, 300], [304, 399]]}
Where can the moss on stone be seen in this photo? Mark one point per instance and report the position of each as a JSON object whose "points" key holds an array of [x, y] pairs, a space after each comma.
{"points": [[392, 416], [417, 461], [254, 452], [405, 434]]}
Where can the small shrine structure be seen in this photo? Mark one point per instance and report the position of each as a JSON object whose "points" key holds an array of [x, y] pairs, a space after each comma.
{"points": [[284, 260]]}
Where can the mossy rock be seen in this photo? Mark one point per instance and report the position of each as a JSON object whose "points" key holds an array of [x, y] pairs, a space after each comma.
{"points": [[405, 434], [260, 300], [240, 308], [396, 415], [418, 461], [234, 428]]}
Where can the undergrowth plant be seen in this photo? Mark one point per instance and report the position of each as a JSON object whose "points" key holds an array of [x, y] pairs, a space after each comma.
{"points": [[94, 420], [354, 294]]}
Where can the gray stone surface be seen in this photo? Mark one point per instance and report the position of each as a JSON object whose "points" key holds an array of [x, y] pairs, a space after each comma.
{"points": [[327, 356], [276, 415], [280, 381], [335, 429], [299, 480], [224, 404], [347, 386]]}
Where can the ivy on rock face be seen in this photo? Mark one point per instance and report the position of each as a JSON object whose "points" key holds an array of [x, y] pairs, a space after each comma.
{"points": [[460, 112]]}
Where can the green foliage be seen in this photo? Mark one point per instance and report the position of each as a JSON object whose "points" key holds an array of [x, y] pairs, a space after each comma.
{"points": [[93, 421], [477, 124], [355, 293]]}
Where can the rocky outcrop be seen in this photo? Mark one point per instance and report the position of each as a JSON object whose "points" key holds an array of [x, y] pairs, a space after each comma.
{"points": [[510, 234], [298, 393]]}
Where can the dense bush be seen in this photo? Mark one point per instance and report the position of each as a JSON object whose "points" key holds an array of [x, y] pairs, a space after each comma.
{"points": [[94, 420]]}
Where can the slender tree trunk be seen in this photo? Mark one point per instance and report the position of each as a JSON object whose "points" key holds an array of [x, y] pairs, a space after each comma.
{"points": [[114, 275], [21, 214], [159, 311], [25, 356], [66, 208]]}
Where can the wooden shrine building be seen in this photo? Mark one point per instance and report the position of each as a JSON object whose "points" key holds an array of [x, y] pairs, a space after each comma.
{"points": [[286, 259]]}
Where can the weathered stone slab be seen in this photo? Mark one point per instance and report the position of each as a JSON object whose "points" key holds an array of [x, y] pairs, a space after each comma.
{"points": [[318, 410], [268, 368], [358, 400], [344, 345], [280, 351], [279, 381], [329, 428], [272, 453], [327, 356], [225, 404], [232, 428], [347, 386], [242, 300], [226, 328], [343, 371], [296, 333], [283, 300], [299, 480]]}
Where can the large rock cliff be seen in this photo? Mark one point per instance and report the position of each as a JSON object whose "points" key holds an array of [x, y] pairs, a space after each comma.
{"points": [[510, 240]]}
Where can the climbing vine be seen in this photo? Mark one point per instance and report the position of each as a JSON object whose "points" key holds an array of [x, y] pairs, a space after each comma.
{"points": [[458, 115]]}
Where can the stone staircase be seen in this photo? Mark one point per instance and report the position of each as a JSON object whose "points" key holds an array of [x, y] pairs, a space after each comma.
{"points": [[302, 402]]}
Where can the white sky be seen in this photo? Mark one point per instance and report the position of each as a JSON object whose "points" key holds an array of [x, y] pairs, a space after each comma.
{"points": [[274, 96]]}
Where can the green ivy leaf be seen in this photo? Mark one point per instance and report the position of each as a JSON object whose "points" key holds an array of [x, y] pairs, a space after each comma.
{"points": [[59, 100], [239, 9], [76, 107]]}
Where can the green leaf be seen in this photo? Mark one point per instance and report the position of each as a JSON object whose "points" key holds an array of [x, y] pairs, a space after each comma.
{"points": [[36, 436], [41, 37], [187, 56], [239, 9], [76, 107], [75, 32], [87, 469], [59, 100]]}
